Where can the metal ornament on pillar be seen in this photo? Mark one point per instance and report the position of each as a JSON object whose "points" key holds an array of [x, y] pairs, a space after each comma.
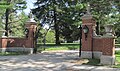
{"points": [[31, 17], [86, 31], [88, 8]]}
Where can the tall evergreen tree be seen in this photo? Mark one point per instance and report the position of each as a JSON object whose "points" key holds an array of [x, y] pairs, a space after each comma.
{"points": [[56, 12], [12, 6]]}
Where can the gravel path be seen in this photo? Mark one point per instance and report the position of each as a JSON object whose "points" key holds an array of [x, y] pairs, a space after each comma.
{"points": [[48, 61]]}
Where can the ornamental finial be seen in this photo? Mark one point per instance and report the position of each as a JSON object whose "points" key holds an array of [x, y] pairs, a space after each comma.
{"points": [[30, 14], [88, 8]]}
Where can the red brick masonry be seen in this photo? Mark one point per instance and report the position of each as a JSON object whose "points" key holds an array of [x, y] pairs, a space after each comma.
{"points": [[105, 45], [20, 42], [15, 42]]}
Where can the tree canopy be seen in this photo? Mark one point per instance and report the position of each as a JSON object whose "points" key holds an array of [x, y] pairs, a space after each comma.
{"points": [[9, 12], [65, 15]]}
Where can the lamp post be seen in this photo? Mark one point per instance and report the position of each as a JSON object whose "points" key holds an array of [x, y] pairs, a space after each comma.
{"points": [[80, 40], [86, 31]]}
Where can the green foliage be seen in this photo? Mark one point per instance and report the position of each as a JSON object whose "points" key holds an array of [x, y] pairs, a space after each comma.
{"points": [[9, 14], [57, 13], [50, 37], [69, 13], [118, 40], [17, 24]]}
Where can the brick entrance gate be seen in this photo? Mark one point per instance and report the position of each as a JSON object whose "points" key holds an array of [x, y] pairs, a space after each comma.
{"points": [[94, 46], [20, 44]]}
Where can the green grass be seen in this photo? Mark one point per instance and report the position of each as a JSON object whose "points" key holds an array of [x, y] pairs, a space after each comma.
{"points": [[93, 61], [51, 47], [117, 56], [53, 44], [117, 65], [12, 53]]}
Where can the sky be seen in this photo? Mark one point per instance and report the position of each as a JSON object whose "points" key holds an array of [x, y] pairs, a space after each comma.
{"points": [[29, 6]]}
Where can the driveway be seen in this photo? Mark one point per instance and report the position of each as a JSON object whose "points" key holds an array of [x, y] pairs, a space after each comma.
{"points": [[48, 61]]}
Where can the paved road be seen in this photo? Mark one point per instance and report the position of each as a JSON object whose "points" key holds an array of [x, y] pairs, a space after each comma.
{"points": [[48, 61]]}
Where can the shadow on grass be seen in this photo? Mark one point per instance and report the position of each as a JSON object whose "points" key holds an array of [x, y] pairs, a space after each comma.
{"points": [[116, 65], [13, 53], [95, 62], [72, 47], [62, 44], [117, 52]]}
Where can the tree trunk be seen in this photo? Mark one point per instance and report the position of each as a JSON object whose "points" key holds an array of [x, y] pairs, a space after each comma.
{"points": [[6, 24], [56, 29]]}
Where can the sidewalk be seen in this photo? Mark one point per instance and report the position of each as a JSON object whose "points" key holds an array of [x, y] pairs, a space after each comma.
{"points": [[48, 61]]}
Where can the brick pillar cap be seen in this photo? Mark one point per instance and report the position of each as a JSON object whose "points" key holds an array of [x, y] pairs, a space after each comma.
{"points": [[31, 23], [87, 16]]}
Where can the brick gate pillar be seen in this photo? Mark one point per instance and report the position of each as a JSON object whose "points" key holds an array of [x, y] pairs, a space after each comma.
{"points": [[31, 26], [96, 46], [87, 47]]}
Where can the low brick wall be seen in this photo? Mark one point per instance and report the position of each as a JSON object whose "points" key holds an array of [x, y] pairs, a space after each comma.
{"points": [[0, 43], [104, 44], [15, 42]]}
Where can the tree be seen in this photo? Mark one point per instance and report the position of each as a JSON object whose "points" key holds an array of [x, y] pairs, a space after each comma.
{"points": [[57, 12], [67, 13], [105, 11], [17, 24], [12, 6]]}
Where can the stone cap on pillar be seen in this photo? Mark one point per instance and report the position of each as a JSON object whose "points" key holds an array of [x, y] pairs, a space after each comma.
{"points": [[87, 19], [31, 19], [88, 14]]}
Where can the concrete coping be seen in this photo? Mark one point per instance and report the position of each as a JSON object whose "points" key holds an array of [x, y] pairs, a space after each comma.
{"points": [[88, 24], [87, 16], [105, 36], [31, 22], [12, 37]]}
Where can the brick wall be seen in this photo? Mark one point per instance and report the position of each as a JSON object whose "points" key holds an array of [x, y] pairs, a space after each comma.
{"points": [[108, 46], [15, 42], [87, 44], [104, 44], [97, 44], [0, 43], [20, 42]]}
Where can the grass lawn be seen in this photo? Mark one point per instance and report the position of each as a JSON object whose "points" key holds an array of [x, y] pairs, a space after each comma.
{"points": [[52, 47], [94, 62], [117, 65], [13, 53]]}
